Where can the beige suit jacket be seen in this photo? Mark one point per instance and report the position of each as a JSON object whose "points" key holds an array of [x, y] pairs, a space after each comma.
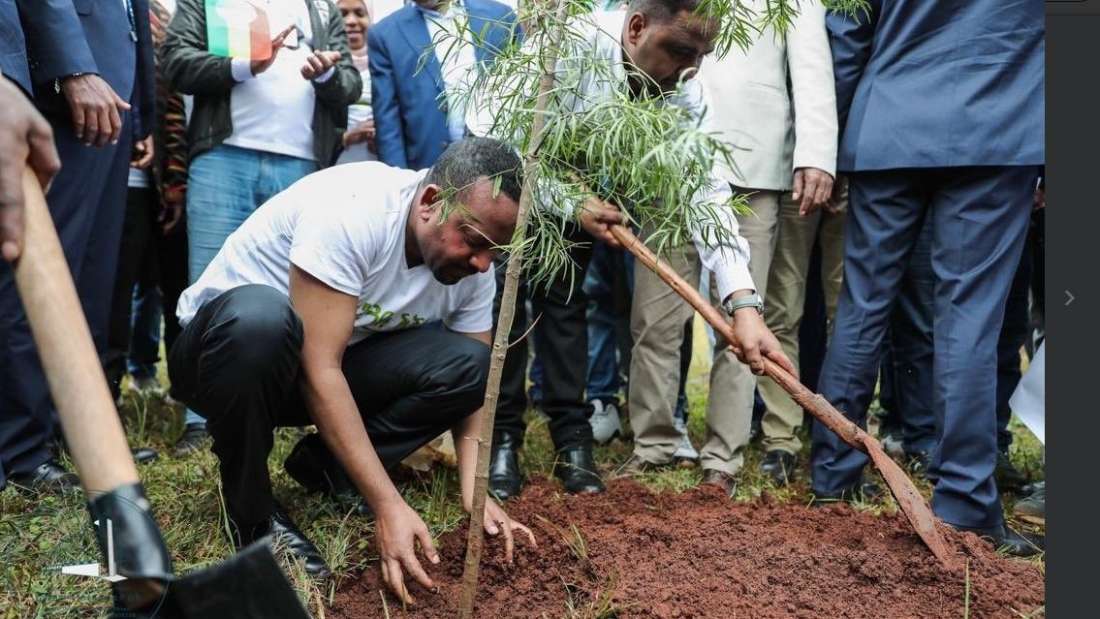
{"points": [[775, 128]]}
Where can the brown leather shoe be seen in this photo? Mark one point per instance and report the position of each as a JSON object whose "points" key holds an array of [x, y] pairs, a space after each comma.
{"points": [[725, 481]]}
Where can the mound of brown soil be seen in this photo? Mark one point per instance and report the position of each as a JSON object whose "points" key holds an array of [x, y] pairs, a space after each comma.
{"points": [[633, 553]]}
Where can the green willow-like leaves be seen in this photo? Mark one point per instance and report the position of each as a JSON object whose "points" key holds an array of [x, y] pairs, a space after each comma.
{"points": [[641, 153]]}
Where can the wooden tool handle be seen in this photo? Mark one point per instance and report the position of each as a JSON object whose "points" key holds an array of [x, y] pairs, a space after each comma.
{"points": [[79, 389], [818, 406]]}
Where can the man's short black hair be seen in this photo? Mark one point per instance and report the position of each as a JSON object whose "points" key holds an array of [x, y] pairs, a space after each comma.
{"points": [[662, 10], [466, 161]]}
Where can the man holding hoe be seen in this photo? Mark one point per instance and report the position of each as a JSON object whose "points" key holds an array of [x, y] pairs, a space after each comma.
{"points": [[653, 49], [359, 300]]}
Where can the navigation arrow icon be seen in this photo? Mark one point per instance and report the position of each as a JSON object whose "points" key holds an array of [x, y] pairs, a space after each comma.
{"points": [[1069, 297]]}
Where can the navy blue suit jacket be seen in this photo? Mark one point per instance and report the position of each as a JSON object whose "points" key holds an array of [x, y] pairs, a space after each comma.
{"points": [[13, 48], [409, 117], [90, 36], [931, 83]]}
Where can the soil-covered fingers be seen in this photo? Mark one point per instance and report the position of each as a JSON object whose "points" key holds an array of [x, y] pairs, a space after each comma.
{"points": [[395, 580]]}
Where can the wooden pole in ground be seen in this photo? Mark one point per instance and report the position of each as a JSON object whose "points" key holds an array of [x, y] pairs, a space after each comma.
{"points": [[475, 539]]}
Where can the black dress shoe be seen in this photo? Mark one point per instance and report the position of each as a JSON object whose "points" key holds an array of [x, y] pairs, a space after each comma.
{"points": [[1009, 541], [505, 477], [862, 492], [143, 455], [779, 466], [576, 468], [285, 535], [194, 437], [47, 478]]}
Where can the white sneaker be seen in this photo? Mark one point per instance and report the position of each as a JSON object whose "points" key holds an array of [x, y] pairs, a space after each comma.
{"points": [[686, 451], [146, 385], [605, 422]]}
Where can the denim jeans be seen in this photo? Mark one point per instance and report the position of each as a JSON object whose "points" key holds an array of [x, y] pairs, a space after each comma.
{"points": [[224, 186], [609, 286], [145, 332]]}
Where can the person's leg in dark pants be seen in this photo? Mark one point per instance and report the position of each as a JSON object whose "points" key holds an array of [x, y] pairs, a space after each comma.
{"points": [[885, 212], [135, 241], [980, 221], [236, 364], [1014, 335], [431, 379], [561, 340], [911, 346], [88, 212]]}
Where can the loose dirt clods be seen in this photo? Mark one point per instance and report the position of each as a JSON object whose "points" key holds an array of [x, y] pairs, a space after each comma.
{"points": [[633, 553]]}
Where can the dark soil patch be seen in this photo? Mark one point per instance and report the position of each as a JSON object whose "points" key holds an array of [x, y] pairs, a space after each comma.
{"points": [[696, 554]]}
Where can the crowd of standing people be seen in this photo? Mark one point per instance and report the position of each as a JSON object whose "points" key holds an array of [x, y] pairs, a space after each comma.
{"points": [[893, 162]]}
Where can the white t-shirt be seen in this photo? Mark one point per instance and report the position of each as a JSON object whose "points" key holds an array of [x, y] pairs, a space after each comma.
{"points": [[273, 111], [345, 225]]}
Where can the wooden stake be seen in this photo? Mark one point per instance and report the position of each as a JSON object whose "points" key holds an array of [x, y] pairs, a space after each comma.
{"points": [[475, 539]]}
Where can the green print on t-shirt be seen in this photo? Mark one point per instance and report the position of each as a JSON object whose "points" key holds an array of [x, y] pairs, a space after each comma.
{"points": [[380, 317]]}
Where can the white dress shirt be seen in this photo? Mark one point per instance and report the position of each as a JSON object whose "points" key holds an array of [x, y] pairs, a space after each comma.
{"points": [[455, 52]]}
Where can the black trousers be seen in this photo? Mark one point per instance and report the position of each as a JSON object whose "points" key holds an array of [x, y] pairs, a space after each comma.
{"points": [[87, 203], [561, 344], [237, 364], [147, 258]]}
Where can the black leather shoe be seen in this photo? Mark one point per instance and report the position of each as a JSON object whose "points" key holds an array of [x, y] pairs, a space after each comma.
{"points": [[285, 535], [576, 468], [194, 438], [863, 492], [314, 467], [47, 478], [505, 477], [1009, 478], [779, 466], [1009, 541], [143, 455]]}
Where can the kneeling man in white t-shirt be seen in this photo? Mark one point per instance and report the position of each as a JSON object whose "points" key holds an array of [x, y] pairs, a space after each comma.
{"points": [[345, 302]]}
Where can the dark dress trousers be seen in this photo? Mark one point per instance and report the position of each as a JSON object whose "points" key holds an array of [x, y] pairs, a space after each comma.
{"points": [[941, 108]]}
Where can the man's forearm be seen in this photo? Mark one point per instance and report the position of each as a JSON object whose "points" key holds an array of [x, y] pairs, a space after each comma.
{"points": [[333, 409]]}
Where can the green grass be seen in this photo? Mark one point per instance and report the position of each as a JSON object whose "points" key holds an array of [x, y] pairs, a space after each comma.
{"points": [[39, 534]]}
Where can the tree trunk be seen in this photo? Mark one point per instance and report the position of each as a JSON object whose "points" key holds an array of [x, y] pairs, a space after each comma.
{"points": [[475, 539]]}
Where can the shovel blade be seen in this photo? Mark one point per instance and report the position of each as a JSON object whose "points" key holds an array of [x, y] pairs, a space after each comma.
{"points": [[249, 584], [910, 501]]}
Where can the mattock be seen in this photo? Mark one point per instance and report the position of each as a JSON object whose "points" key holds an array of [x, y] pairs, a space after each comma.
{"points": [[909, 499]]}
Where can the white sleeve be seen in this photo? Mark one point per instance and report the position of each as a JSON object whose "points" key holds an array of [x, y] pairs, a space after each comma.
{"points": [[729, 260], [475, 312], [813, 91], [335, 246]]}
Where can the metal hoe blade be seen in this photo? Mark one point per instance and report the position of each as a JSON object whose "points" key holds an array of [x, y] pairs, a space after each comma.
{"points": [[910, 501]]}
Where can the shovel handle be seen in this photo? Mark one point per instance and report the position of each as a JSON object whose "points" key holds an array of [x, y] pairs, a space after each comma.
{"points": [[818, 406], [89, 419]]}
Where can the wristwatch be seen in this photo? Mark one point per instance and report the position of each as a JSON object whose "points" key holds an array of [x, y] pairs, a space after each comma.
{"points": [[731, 305]]}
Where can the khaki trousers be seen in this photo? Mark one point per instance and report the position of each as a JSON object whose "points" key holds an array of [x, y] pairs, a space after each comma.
{"points": [[657, 324], [786, 296]]}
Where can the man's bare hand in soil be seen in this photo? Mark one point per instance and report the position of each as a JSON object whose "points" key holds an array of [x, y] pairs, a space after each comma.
{"points": [[398, 529], [95, 107], [25, 139], [597, 217], [753, 342], [497, 522], [812, 189]]}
